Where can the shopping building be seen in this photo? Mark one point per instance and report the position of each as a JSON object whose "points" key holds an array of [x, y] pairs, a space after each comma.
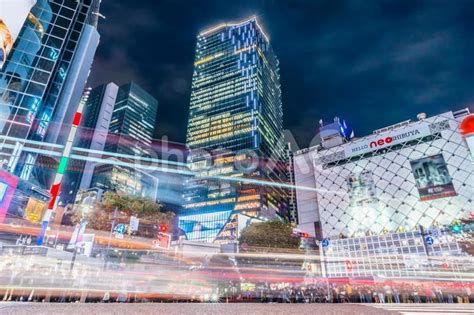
{"points": [[376, 199], [234, 133], [400, 177]]}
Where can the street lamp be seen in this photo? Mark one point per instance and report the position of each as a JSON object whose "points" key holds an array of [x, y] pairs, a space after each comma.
{"points": [[110, 236], [86, 207]]}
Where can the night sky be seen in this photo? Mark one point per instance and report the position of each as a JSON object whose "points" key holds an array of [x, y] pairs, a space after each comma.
{"points": [[373, 63]]}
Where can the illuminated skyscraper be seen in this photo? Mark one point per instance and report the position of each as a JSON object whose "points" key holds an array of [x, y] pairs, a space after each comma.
{"points": [[234, 131]]}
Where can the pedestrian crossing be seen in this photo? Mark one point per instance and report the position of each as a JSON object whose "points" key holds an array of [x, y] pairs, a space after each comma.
{"points": [[5, 306], [429, 308]]}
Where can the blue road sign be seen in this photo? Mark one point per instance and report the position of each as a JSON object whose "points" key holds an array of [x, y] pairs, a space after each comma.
{"points": [[429, 240], [120, 228], [325, 242]]}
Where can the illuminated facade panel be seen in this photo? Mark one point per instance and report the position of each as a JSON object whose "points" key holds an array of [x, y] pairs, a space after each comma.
{"points": [[235, 119]]}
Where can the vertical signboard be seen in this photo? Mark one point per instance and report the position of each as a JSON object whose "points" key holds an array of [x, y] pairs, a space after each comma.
{"points": [[134, 223]]}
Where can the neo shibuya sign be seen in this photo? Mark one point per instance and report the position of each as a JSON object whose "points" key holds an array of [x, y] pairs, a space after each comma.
{"points": [[387, 139]]}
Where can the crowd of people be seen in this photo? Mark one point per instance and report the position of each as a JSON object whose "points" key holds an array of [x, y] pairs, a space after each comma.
{"points": [[315, 293], [354, 293]]}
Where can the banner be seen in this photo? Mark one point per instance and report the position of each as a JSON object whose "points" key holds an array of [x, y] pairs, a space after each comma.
{"points": [[386, 139], [13, 14]]}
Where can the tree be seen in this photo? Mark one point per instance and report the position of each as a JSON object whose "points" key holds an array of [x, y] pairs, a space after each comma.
{"points": [[270, 234], [147, 211]]}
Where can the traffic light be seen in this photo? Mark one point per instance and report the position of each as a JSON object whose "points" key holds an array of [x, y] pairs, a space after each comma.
{"points": [[304, 235], [163, 228], [349, 265]]}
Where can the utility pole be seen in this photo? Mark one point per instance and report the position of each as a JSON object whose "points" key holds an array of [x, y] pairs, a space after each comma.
{"points": [[62, 167]]}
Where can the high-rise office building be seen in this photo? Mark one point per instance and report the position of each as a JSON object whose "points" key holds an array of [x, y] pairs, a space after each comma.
{"points": [[42, 78], [130, 133], [92, 134], [234, 134]]}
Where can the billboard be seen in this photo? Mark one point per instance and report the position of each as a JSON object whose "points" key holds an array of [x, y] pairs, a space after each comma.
{"points": [[8, 185], [203, 226], [432, 178], [13, 14]]}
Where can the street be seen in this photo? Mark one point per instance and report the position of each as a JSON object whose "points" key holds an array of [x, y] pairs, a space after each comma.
{"points": [[230, 309], [186, 308]]}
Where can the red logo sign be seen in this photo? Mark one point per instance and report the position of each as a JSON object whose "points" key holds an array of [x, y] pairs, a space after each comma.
{"points": [[381, 142]]}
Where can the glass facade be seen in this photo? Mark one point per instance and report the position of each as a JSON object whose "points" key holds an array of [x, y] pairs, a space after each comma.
{"points": [[33, 78], [130, 133], [234, 132]]}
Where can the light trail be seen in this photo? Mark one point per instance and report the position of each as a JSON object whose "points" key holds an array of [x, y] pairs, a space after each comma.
{"points": [[169, 276], [76, 156], [155, 164]]}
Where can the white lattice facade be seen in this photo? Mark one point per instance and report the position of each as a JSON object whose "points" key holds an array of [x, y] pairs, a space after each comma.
{"points": [[398, 255], [416, 173]]}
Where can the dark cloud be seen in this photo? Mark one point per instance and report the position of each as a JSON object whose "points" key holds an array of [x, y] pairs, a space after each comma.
{"points": [[372, 62]]}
